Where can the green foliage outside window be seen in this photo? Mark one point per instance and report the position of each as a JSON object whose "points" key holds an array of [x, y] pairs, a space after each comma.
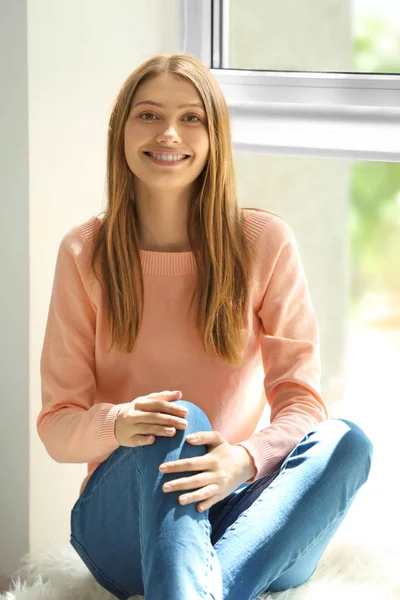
{"points": [[375, 193]]}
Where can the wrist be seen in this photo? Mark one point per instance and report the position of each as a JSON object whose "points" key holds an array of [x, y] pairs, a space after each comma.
{"points": [[247, 466]]}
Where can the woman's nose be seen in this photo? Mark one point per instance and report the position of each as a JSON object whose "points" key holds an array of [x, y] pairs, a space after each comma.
{"points": [[169, 133]]}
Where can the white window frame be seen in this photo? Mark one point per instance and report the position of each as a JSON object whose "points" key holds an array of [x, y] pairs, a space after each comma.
{"points": [[332, 115]]}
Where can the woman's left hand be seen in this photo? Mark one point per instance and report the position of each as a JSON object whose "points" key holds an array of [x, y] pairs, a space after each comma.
{"points": [[223, 470]]}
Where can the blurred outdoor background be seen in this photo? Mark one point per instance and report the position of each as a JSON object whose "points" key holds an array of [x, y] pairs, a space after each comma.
{"points": [[372, 391]]}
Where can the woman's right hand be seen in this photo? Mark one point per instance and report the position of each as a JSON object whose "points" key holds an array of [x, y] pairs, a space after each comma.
{"points": [[151, 415]]}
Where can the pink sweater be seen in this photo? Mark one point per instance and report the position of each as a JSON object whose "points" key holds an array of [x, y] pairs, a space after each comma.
{"points": [[83, 386]]}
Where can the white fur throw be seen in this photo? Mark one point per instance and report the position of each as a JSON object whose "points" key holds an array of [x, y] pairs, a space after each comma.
{"points": [[347, 571]]}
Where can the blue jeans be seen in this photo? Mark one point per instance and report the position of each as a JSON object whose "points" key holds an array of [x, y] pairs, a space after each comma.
{"points": [[265, 536]]}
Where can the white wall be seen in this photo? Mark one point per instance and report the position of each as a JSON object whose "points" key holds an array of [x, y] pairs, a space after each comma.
{"points": [[14, 285]]}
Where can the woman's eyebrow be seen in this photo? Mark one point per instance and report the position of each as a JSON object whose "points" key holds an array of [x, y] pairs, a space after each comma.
{"points": [[198, 104]]}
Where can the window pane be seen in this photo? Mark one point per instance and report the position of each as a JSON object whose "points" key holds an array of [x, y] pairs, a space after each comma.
{"points": [[359, 36], [346, 218]]}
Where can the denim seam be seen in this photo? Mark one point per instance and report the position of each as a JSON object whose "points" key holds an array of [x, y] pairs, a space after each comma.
{"points": [[95, 567], [208, 557], [141, 525]]}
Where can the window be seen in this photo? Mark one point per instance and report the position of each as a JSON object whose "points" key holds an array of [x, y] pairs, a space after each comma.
{"points": [[330, 36]]}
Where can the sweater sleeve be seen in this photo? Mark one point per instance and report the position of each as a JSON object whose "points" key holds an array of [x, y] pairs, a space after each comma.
{"points": [[74, 425], [289, 340]]}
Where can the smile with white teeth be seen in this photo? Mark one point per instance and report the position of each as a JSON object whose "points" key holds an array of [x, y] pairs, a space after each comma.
{"points": [[167, 157]]}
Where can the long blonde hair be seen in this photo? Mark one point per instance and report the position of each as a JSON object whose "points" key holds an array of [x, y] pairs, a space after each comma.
{"points": [[214, 224]]}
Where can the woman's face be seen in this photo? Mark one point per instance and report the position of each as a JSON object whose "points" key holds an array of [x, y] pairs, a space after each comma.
{"points": [[166, 128]]}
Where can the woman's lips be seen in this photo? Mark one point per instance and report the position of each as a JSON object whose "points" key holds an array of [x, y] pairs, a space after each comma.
{"points": [[166, 163]]}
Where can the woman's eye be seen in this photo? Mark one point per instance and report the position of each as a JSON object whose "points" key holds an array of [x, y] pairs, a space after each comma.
{"points": [[153, 115]]}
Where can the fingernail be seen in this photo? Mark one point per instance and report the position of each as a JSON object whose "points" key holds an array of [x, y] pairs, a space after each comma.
{"points": [[191, 437]]}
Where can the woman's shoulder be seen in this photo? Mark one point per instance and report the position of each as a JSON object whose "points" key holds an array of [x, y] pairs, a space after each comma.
{"points": [[78, 243], [82, 235], [261, 224]]}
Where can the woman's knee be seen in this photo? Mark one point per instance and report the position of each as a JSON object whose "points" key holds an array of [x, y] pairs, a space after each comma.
{"points": [[354, 446], [196, 417], [357, 439], [175, 446]]}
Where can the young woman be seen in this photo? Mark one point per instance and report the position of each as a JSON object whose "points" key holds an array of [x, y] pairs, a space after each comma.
{"points": [[223, 314]]}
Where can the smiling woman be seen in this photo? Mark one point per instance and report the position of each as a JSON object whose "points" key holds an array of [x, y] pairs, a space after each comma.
{"points": [[174, 226]]}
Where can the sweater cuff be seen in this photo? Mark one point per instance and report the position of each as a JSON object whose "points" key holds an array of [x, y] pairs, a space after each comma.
{"points": [[263, 457], [108, 418]]}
